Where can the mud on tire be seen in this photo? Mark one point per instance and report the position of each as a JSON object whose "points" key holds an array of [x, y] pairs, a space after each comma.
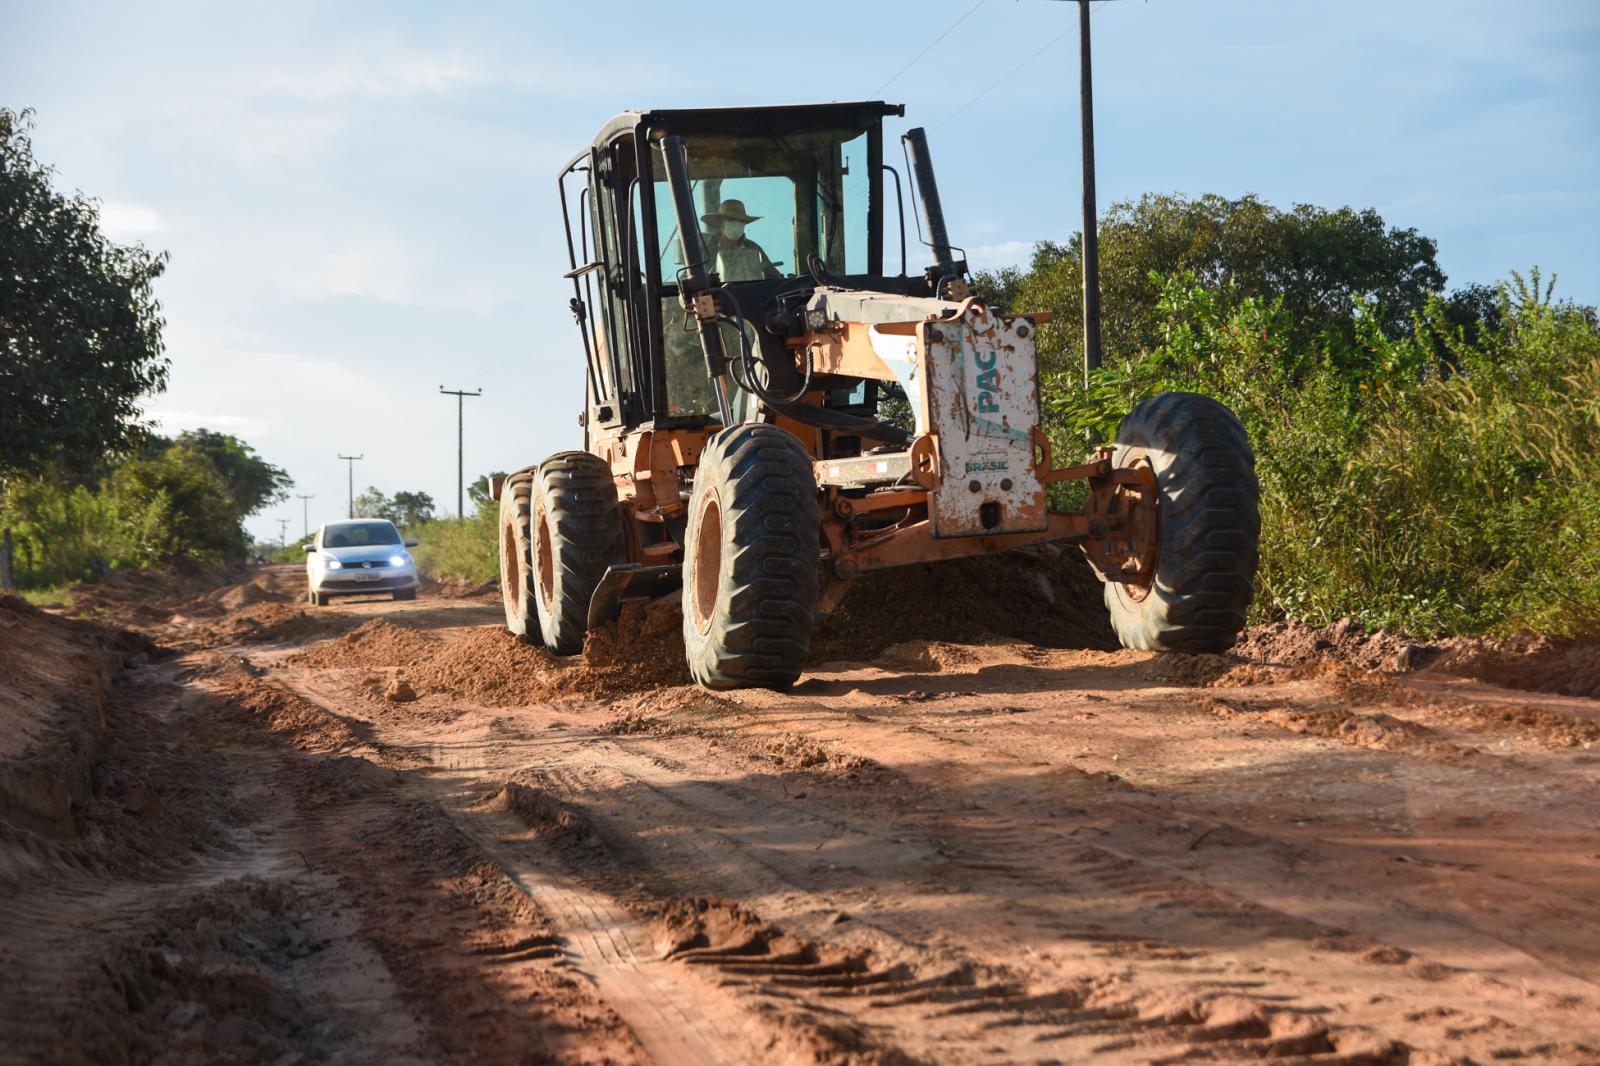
{"points": [[750, 560], [574, 535], [1209, 526]]}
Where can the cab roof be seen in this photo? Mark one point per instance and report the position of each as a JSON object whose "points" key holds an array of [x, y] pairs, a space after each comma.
{"points": [[756, 119]]}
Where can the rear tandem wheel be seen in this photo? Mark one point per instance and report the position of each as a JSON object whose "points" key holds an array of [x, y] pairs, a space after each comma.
{"points": [[575, 534]]}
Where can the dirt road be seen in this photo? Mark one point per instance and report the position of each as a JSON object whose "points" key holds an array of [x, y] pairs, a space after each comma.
{"points": [[385, 832]]}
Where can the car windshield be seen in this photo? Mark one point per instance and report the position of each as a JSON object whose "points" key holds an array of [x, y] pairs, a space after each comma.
{"points": [[360, 535]]}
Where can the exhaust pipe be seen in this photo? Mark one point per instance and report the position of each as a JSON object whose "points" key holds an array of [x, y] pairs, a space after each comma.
{"points": [[945, 266]]}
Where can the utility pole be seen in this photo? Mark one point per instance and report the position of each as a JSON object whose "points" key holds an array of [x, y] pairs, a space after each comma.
{"points": [[460, 395], [351, 462], [305, 512], [1091, 235], [283, 532]]}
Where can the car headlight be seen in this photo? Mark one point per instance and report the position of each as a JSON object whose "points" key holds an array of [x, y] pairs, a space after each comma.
{"points": [[334, 564], [398, 560]]}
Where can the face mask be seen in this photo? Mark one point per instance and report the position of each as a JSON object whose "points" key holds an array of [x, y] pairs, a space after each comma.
{"points": [[733, 230]]}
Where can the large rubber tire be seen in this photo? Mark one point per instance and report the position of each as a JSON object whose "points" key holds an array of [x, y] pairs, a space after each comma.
{"points": [[516, 560], [1209, 526], [751, 557], [576, 535]]}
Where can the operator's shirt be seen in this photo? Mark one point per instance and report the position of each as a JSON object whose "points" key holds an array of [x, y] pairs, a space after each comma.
{"points": [[741, 261]]}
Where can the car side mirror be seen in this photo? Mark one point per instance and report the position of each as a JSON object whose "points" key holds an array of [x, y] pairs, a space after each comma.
{"points": [[411, 542], [311, 547]]}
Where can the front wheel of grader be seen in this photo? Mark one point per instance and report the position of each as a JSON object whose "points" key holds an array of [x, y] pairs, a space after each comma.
{"points": [[750, 560], [1209, 526]]}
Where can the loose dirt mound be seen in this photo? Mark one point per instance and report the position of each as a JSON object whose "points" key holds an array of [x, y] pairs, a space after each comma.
{"points": [[487, 665], [1045, 595], [57, 677], [1531, 662], [461, 589], [374, 643], [259, 589], [211, 981], [641, 651], [700, 924], [145, 597], [269, 622], [1293, 643]]}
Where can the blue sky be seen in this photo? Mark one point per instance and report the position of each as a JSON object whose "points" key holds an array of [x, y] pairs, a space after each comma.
{"points": [[359, 198]]}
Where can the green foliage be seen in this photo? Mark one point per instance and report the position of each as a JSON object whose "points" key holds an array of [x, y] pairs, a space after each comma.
{"points": [[410, 508], [80, 328], [1441, 480], [460, 549], [404, 509], [1318, 262], [185, 501], [250, 481], [292, 553]]}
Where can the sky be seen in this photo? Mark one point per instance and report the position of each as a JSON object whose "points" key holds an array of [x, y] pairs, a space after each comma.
{"points": [[359, 199]]}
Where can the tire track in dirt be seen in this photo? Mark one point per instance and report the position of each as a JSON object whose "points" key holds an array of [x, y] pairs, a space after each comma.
{"points": [[944, 864]]}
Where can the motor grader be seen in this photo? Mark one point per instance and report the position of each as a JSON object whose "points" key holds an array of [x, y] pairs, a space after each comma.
{"points": [[772, 413]]}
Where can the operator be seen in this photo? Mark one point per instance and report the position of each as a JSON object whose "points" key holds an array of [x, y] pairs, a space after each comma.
{"points": [[734, 256]]}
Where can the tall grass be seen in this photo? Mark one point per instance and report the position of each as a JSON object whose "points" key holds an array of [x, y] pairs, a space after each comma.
{"points": [[458, 550], [1432, 483]]}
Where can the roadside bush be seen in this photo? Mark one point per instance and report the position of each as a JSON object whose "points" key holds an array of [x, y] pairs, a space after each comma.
{"points": [[451, 549], [178, 500], [1442, 481]]}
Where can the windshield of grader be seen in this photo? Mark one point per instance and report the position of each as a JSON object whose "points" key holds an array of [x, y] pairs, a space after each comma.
{"points": [[767, 204]]}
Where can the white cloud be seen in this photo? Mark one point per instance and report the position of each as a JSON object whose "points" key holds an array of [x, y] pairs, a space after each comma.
{"points": [[384, 79], [121, 221], [177, 421], [1003, 254], [378, 266]]}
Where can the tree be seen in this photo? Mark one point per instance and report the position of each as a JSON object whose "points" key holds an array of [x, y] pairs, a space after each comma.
{"points": [[410, 508], [80, 328], [251, 482], [373, 504], [189, 511], [1319, 261]]}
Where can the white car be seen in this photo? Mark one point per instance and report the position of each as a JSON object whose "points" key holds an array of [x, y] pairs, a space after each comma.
{"points": [[360, 557]]}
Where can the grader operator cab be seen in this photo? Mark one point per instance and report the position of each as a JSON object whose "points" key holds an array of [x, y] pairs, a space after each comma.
{"points": [[772, 413]]}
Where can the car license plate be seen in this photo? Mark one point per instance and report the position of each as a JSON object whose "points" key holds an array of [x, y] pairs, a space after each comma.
{"points": [[367, 577]]}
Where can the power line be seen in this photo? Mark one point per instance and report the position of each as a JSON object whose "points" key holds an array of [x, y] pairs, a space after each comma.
{"points": [[952, 28], [460, 395], [1005, 78], [1010, 73], [351, 460]]}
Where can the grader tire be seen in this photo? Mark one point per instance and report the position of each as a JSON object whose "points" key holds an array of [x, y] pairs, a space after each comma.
{"points": [[1209, 526], [575, 535], [750, 560], [517, 590]]}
